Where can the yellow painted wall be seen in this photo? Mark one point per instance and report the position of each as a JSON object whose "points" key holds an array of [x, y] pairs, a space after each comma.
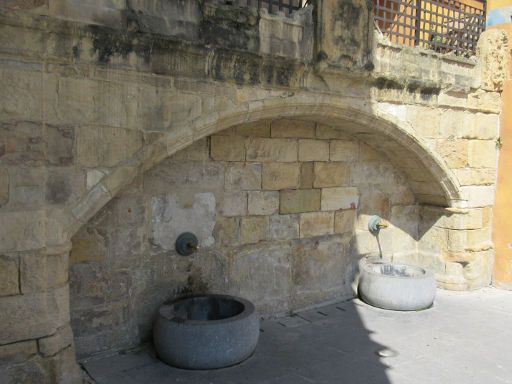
{"points": [[502, 228]]}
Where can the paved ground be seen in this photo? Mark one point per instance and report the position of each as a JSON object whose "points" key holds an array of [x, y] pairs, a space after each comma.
{"points": [[465, 338]]}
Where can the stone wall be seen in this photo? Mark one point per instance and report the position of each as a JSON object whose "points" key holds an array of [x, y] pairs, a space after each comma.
{"points": [[96, 94], [280, 209]]}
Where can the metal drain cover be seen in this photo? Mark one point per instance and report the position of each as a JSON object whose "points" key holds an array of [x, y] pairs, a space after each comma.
{"points": [[386, 352]]}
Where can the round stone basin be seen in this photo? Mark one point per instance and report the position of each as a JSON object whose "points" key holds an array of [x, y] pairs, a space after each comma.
{"points": [[206, 332], [399, 287]]}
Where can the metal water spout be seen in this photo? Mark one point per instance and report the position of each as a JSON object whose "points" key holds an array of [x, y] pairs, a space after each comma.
{"points": [[375, 224]]}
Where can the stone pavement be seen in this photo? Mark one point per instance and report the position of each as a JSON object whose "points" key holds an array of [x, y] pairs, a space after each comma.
{"points": [[465, 338]]}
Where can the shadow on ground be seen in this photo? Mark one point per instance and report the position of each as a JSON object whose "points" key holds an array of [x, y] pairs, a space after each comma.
{"points": [[325, 345]]}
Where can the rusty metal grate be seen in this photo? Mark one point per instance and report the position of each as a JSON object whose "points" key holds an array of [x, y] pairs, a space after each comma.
{"points": [[286, 6], [441, 25]]}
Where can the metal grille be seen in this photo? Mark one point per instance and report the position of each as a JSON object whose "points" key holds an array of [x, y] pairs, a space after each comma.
{"points": [[286, 6], [441, 25]]}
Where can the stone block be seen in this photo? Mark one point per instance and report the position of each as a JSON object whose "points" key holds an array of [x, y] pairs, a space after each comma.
{"points": [[313, 150], [192, 176], [483, 154], [476, 176], [4, 186], [262, 275], [487, 125], [339, 198], [227, 148], [307, 175], [331, 174], [60, 145], [284, 227], [426, 121], [297, 201], [22, 143], [316, 224], [263, 202], [327, 132], [9, 276], [342, 150], [454, 152], [242, 176], [227, 231], [106, 146], [234, 204], [40, 272], [89, 244], [27, 186], [374, 202], [17, 352], [64, 185], [33, 315], [169, 218], [478, 195], [259, 128], [322, 269], [368, 153], [344, 221], [22, 231], [253, 229], [197, 151], [270, 150], [51, 345], [293, 128], [277, 176]]}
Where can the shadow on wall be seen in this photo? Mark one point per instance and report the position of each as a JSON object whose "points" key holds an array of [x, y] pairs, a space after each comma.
{"points": [[281, 210], [328, 345]]}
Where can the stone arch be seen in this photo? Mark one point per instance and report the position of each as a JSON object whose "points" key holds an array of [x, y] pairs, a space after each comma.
{"points": [[431, 180]]}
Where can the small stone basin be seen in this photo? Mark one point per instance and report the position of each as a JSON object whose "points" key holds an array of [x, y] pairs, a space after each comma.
{"points": [[398, 287], [206, 332]]}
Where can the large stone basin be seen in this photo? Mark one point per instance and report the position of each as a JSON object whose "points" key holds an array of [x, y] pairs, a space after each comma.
{"points": [[206, 332], [399, 287]]}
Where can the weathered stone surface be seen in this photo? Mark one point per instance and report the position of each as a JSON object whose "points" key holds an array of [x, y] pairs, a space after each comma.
{"points": [[89, 245], [263, 202], [106, 146], [227, 231], [277, 176], [169, 219], [313, 150], [339, 198], [242, 176], [33, 315], [307, 175], [234, 204], [228, 148], [454, 152], [492, 48], [9, 276], [60, 145], [296, 201], [316, 224], [343, 150], [40, 272], [199, 151], [4, 186], [327, 132], [321, 262], [262, 276], [284, 227], [293, 128], [253, 229], [256, 129], [17, 352], [51, 345], [482, 154], [269, 150], [344, 221], [331, 174]]}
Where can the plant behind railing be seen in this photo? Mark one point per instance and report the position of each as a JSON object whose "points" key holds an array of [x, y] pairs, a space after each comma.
{"points": [[441, 25]]}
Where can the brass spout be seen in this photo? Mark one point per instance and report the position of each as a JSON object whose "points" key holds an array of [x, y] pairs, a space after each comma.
{"points": [[382, 225], [195, 247]]}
